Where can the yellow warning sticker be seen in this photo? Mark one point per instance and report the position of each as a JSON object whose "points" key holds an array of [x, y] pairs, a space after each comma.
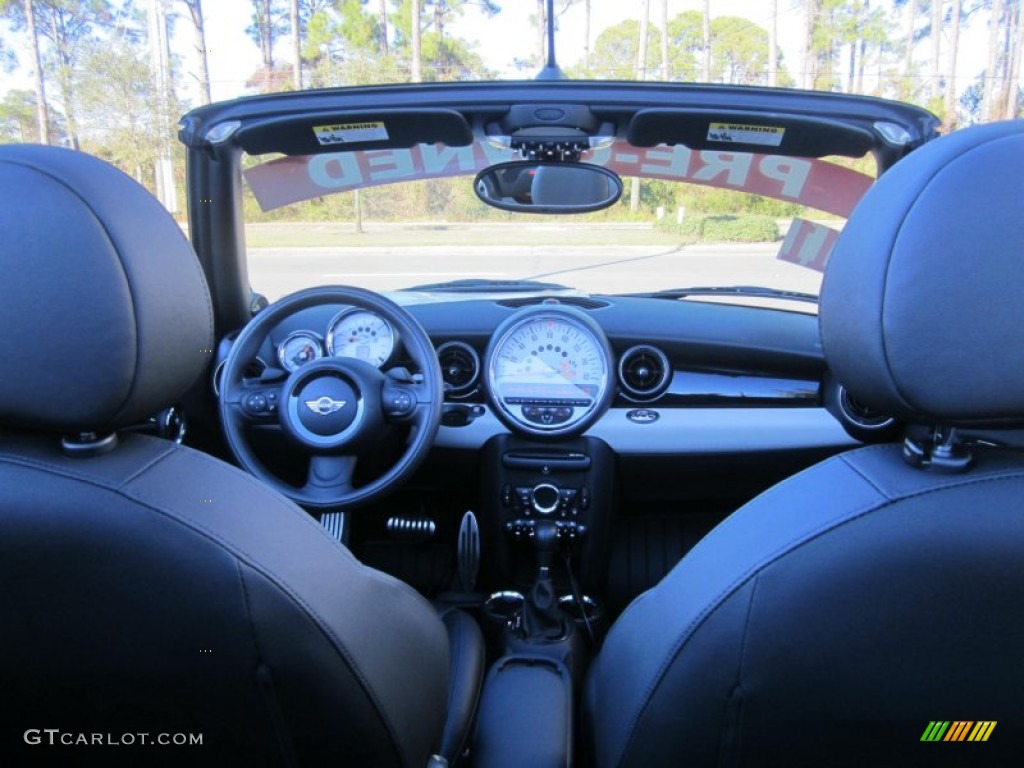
{"points": [[762, 135], [350, 133]]}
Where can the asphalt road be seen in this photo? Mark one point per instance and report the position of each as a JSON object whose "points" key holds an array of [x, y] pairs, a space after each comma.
{"points": [[594, 269]]}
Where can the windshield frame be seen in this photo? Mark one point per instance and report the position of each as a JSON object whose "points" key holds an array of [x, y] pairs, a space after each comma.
{"points": [[216, 135]]}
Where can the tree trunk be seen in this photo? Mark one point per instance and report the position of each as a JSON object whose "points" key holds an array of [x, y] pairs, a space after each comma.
{"points": [[542, 29], [586, 35], [988, 108], [296, 45], [64, 81], [907, 85], [42, 113], [706, 74], [416, 72], [195, 9], [383, 12], [863, 43], [664, 41], [641, 48], [1013, 71], [163, 166], [810, 59], [773, 46], [934, 77], [949, 118], [851, 69]]}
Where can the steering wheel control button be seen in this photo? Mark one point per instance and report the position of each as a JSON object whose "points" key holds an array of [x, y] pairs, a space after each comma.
{"points": [[257, 404], [327, 405], [398, 402]]}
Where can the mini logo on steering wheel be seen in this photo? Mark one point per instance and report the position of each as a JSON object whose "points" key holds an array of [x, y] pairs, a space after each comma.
{"points": [[325, 406]]}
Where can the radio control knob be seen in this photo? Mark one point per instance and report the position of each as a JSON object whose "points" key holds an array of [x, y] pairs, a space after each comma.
{"points": [[544, 498]]}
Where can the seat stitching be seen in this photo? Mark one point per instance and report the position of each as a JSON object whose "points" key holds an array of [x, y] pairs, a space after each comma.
{"points": [[741, 659], [277, 718], [863, 476]]}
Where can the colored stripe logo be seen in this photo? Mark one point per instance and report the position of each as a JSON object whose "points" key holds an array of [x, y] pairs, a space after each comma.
{"points": [[958, 730]]}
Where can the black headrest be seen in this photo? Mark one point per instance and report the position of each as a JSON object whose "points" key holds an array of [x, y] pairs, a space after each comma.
{"points": [[922, 306], [105, 316]]}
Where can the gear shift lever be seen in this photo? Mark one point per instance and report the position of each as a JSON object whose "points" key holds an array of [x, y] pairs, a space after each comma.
{"points": [[546, 543], [541, 613]]}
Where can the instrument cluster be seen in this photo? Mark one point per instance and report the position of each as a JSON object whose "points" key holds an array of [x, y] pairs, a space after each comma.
{"points": [[353, 332]]}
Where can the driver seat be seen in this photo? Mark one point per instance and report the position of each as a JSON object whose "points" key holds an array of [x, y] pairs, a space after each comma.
{"points": [[150, 593]]}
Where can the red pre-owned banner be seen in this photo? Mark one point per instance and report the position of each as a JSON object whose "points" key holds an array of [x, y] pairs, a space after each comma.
{"points": [[818, 184]]}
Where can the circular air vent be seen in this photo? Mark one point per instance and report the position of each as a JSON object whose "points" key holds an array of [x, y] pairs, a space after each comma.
{"points": [[644, 371], [460, 366], [861, 415]]}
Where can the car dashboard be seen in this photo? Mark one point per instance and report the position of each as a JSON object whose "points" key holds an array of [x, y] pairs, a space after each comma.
{"points": [[686, 377], [707, 404]]}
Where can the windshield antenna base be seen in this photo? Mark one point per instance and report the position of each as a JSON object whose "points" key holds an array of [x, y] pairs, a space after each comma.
{"points": [[551, 70]]}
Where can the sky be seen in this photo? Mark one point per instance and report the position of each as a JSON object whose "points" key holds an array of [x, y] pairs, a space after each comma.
{"points": [[234, 57]]}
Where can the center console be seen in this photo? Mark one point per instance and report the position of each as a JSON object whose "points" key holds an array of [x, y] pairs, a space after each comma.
{"points": [[545, 515], [528, 485]]}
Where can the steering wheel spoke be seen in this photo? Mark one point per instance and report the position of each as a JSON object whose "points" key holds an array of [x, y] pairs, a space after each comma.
{"points": [[329, 476]]}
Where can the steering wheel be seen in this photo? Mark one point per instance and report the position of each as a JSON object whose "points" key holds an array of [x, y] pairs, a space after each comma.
{"points": [[333, 408]]}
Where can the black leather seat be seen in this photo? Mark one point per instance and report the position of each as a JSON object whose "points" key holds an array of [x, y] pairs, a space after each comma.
{"points": [[146, 588], [836, 618]]}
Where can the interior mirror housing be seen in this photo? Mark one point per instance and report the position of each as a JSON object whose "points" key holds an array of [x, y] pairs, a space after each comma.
{"points": [[534, 187]]}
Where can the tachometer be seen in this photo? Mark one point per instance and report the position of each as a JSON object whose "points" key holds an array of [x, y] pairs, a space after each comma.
{"points": [[298, 349], [361, 334], [548, 371]]}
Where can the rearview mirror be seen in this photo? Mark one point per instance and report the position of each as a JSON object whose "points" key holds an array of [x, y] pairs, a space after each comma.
{"points": [[531, 187]]}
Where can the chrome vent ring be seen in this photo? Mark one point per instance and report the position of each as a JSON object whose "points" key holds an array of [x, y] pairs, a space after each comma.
{"points": [[644, 371], [460, 366]]}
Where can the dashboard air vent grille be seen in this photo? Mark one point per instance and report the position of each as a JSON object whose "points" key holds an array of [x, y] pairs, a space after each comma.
{"points": [[644, 371], [460, 366], [583, 302]]}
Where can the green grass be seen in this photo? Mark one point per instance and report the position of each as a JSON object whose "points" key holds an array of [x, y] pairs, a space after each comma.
{"points": [[726, 228]]}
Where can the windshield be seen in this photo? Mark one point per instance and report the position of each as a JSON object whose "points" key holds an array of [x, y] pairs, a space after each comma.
{"points": [[397, 219]]}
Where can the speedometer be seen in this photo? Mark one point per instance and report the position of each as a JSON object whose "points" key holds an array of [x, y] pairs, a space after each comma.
{"points": [[548, 371], [361, 334]]}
